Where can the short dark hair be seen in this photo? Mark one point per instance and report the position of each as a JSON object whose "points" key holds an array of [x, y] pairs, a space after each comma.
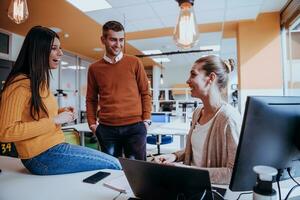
{"points": [[112, 25]]}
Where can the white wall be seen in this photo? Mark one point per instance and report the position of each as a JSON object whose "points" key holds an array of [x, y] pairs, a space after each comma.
{"points": [[257, 92], [175, 75], [17, 42]]}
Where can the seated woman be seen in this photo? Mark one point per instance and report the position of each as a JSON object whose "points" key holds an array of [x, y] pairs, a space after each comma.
{"points": [[29, 115], [213, 137]]}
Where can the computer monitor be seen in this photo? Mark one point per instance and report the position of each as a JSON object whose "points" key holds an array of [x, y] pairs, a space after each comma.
{"points": [[269, 136]]}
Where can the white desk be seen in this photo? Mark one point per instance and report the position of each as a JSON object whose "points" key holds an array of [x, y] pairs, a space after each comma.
{"points": [[82, 127], [174, 128], [17, 184]]}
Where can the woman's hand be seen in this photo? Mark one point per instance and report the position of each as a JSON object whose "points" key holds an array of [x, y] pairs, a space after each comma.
{"points": [[165, 159], [69, 108], [64, 117]]}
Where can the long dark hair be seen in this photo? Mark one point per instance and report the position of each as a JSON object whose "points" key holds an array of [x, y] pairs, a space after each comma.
{"points": [[33, 62]]}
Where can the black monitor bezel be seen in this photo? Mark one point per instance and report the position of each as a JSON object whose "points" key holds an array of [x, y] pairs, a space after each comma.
{"points": [[240, 179]]}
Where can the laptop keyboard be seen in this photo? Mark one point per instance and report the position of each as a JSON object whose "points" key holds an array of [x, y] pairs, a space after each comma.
{"points": [[221, 191]]}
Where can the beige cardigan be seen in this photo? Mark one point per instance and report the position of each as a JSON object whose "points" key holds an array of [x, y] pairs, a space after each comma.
{"points": [[220, 144]]}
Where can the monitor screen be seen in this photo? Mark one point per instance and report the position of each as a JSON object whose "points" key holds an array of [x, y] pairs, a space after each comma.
{"points": [[269, 136], [4, 41]]}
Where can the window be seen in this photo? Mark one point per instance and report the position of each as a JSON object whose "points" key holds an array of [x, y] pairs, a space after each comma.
{"points": [[292, 59], [4, 43]]}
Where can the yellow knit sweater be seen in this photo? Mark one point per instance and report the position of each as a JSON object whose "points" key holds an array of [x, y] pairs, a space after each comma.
{"points": [[16, 125]]}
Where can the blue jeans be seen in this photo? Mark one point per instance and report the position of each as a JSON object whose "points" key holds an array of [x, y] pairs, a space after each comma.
{"points": [[128, 139], [67, 158]]}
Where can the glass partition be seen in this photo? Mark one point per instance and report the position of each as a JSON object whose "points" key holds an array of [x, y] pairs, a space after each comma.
{"points": [[291, 43], [69, 83], [82, 88]]}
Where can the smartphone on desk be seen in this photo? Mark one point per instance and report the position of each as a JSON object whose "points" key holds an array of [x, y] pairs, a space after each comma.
{"points": [[96, 177]]}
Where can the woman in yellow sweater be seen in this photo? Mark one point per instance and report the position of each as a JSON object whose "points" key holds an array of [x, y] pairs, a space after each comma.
{"points": [[29, 115]]}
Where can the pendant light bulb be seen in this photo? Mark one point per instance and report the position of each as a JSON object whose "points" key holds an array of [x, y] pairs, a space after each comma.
{"points": [[186, 30], [161, 74], [18, 11], [161, 79]]}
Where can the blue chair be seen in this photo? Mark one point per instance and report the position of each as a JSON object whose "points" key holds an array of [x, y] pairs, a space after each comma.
{"points": [[160, 139]]}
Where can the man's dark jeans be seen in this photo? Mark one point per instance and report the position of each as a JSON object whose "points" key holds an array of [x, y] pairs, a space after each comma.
{"points": [[128, 139]]}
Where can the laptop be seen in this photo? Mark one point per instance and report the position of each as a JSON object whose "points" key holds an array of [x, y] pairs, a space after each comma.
{"points": [[150, 181]]}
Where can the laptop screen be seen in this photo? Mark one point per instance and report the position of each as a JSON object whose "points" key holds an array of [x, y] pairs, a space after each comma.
{"points": [[156, 181]]}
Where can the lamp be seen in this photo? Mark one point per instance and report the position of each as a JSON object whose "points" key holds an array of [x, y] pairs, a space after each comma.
{"points": [[161, 75], [18, 11], [186, 30], [161, 79]]}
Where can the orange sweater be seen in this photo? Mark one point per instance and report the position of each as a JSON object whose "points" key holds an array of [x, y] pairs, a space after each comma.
{"points": [[16, 125], [124, 96]]}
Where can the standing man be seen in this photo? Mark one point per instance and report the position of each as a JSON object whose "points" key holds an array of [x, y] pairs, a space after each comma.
{"points": [[118, 85]]}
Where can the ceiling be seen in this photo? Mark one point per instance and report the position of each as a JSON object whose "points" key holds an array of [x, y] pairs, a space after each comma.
{"points": [[141, 15], [148, 24]]}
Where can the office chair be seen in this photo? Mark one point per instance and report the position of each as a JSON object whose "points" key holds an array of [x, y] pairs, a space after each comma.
{"points": [[71, 135], [163, 139]]}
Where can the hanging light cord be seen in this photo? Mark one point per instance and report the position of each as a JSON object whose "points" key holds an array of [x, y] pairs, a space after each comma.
{"points": [[223, 23]]}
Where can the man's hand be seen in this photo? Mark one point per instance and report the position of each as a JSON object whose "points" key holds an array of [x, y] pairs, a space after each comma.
{"points": [[93, 128], [147, 124]]}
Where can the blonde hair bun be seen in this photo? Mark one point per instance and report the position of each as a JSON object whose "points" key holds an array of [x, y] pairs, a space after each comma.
{"points": [[229, 65]]}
